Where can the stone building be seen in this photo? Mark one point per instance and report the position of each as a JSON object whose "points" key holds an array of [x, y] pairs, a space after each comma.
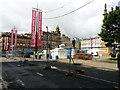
{"points": [[24, 40], [1, 42], [68, 42], [54, 39], [95, 42]]}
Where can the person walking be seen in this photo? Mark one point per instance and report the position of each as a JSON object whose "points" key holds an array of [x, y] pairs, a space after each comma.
{"points": [[40, 55], [36, 55]]}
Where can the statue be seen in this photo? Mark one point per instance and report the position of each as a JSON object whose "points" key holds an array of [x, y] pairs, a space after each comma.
{"points": [[73, 43]]}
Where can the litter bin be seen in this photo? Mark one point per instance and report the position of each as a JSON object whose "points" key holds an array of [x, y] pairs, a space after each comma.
{"points": [[56, 57], [50, 57]]}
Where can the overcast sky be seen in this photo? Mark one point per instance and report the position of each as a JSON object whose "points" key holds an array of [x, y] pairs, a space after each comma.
{"points": [[83, 23]]}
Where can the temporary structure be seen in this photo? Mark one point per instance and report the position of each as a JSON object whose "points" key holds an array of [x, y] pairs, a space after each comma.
{"points": [[95, 52], [60, 52]]}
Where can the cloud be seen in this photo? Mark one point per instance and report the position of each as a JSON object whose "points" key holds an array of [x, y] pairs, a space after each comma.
{"points": [[83, 23]]}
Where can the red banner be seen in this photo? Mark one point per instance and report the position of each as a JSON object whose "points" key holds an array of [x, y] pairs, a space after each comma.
{"points": [[6, 43], [15, 45], [33, 28], [39, 28], [11, 39]]}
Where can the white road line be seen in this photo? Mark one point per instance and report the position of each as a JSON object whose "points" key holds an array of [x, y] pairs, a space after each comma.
{"points": [[87, 76], [0, 85], [53, 67], [98, 79], [39, 74]]}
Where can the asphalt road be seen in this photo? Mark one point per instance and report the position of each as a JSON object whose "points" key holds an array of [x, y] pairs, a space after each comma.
{"points": [[25, 75]]}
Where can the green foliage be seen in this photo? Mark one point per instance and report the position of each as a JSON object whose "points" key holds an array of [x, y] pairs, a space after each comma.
{"points": [[110, 31]]}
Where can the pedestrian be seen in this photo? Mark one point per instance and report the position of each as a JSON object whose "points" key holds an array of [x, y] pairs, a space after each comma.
{"points": [[36, 55], [92, 54], [73, 43], [40, 55]]}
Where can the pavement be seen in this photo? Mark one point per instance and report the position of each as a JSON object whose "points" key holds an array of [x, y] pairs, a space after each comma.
{"points": [[95, 62]]}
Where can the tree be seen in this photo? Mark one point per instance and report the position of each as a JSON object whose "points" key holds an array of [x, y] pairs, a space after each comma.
{"points": [[110, 31]]}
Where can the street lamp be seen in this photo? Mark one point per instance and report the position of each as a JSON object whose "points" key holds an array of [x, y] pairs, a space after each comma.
{"points": [[13, 40], [47, 54], [36, 30]]}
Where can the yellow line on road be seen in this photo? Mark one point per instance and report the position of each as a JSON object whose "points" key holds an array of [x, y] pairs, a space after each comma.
{"points": [[0, 87], [4, 84]]}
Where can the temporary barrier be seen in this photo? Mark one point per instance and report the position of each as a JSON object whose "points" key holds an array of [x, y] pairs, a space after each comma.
{"points": [[60, 52]]}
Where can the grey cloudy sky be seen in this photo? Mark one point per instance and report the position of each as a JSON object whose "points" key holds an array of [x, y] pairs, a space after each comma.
{"points": [[85, 22]]}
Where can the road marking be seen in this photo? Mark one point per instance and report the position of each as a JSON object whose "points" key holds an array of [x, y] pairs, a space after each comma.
{"points": [[102, 68], [39, 74], [98, 79], [86, 76], [4, 84], [0, 86], [53, 67]]}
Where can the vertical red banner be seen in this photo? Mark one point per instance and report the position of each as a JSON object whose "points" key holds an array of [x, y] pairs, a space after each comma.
{"points": [[15, 45], [33, 27], [11, 39], [6, 43], [39, 28]]}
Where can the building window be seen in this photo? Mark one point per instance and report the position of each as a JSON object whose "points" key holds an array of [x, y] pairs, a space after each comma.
{"points": [[17, 44]]}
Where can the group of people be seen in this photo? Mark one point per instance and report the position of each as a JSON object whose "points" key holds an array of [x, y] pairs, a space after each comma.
{"points": [[37, 55]]}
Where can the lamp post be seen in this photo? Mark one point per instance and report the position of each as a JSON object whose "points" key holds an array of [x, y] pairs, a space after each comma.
{"points": [[13, 43], [36, 30], [47, 54], [47, 45]]}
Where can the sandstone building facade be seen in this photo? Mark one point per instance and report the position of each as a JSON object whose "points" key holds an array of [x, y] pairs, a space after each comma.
{"points": [[24, 40]]}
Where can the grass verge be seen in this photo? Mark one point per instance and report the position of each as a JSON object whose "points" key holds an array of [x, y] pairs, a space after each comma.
{"points": [[109, 60]]}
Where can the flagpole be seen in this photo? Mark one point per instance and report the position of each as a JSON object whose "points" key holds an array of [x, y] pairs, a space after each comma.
{"points": [[36, 29]]}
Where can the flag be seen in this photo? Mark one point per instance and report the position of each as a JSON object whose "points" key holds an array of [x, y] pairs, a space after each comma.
{"points": [[6, 43], [39, 28], [11, 39], [15, 45], [33, 27]]}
